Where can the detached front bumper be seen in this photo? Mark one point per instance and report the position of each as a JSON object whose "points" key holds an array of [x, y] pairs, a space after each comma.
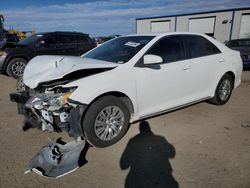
{"points": [[67, 118]]}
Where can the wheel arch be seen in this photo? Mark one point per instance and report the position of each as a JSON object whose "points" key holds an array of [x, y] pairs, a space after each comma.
{"points": [[120, 95]]}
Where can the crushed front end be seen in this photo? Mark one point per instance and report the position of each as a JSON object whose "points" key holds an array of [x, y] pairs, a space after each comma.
{"points": [[50, 110]]}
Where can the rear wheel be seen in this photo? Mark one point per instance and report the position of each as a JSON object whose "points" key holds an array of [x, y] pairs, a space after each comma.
{"points": [[106, 121], [16, 67], [223, 91]]}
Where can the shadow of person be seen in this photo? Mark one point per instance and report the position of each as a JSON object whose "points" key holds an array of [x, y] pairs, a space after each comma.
{"points": [[148, 156]]}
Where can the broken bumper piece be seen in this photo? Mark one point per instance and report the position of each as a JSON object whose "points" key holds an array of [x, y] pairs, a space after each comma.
{"points": [[58, 158]]}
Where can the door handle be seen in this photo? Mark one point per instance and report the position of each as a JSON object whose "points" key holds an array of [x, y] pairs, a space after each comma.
{"points": [[186, 67]]}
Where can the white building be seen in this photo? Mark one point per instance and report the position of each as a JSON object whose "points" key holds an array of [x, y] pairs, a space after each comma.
{"points": [[224, 25]]}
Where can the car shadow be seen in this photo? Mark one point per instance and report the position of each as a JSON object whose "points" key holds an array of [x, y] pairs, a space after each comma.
{"points": [[148, 156]]}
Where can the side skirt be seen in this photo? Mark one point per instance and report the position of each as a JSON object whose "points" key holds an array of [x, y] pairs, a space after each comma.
{"points": [[170, 109]]}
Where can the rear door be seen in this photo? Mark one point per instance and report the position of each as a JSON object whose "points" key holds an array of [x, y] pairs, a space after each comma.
{"points": [[67, 44], [205, 62]]}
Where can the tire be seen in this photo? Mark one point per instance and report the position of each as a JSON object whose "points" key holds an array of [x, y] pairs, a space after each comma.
{"points": [[16, 67], [95, 127], [223, 90]]}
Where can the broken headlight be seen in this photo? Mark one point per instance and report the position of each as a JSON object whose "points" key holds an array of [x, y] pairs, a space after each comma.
{"points": [[50, 101]]}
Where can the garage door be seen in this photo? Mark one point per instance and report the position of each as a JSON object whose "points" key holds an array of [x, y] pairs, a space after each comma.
{"points": [[160, 26], [245, 26], [202, 25]]}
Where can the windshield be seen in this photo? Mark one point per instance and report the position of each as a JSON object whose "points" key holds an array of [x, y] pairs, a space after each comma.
{"points": [[30, 39], [119, 50]]}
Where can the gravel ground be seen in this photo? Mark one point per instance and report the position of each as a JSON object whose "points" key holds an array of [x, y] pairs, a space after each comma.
{"points": [[199, 146]]}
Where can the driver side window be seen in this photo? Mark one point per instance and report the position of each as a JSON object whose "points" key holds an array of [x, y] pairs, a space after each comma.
{"points": [[169, 48]]}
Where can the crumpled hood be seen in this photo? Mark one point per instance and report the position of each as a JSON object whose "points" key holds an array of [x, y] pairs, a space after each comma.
{"points": [[47, 68]]}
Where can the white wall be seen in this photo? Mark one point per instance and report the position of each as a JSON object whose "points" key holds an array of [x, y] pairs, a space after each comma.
{"points": [[223, 23], [144, 26], [237, 23], [221, 31]]}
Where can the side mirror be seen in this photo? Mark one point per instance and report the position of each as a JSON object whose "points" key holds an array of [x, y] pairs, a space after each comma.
{"points": [[152, 59]]}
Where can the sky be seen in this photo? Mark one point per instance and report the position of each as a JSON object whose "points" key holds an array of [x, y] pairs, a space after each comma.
{"points": [[99, 17]]}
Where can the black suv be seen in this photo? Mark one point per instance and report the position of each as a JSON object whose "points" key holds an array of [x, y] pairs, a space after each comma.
{"points": [[242, 45], [15, 56]]}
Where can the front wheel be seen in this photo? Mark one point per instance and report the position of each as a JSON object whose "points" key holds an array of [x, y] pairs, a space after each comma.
{"points": [[223, 91], [15, 68], [106, 121]]}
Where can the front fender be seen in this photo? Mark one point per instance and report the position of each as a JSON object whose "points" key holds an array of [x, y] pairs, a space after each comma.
{"points": [[89, 88]]}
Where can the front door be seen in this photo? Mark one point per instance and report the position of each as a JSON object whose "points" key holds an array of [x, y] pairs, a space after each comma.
{"points": [[162, 86]]}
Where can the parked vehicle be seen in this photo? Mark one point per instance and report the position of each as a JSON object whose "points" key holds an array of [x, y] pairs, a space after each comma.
{"points": [[242, 45], [15, 56], [100, 40], [127, 79]]}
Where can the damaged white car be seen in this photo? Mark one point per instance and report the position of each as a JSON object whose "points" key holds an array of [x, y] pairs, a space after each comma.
{"points": [[96, 96]]}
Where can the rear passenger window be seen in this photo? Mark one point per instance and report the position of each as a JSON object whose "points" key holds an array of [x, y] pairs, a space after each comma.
{"points": [[67, 39], [50, 41], [199, 46], [169, 48], [82, 39]]}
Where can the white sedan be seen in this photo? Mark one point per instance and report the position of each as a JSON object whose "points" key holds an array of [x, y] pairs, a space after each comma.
{"points": [[127, 79]]}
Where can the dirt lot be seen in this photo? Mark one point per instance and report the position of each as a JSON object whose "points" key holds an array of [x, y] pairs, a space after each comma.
{"points": [[199, 146]]}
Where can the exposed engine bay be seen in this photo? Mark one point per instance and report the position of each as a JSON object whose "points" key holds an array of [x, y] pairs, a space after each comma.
{"points": [[50, 110]]}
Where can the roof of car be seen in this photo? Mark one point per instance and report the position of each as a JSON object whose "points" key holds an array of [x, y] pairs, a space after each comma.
{"points": [[165, 34], [61, 32]]}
